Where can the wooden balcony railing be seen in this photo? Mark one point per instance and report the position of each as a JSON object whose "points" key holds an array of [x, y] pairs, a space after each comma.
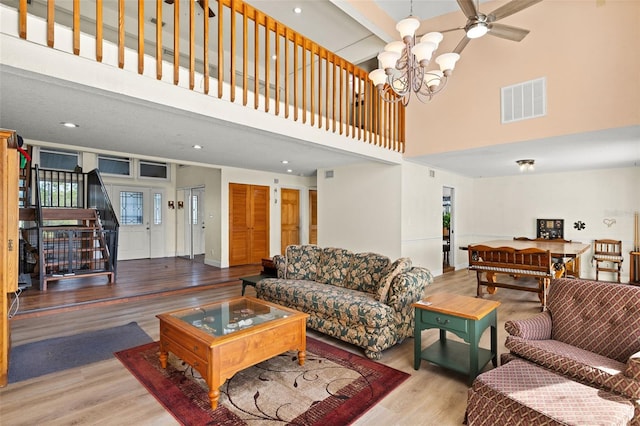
{"points": [[245, 55]]}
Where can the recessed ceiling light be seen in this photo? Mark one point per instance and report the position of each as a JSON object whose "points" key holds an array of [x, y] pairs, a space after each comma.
{"points": [[197, 146], [289, 171], [69, 124], [285, 161], [297, 10]]}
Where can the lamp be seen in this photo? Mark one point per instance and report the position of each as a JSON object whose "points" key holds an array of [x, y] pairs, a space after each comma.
{"points": [[403, 65], [526, 165]]}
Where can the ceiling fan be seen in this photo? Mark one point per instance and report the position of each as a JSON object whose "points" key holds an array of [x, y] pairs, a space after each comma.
{"points": [[200, 2], [479, 24]]}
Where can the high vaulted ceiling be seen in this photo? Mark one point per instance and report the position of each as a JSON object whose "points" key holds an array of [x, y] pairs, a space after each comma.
{"points": [[27, 105]]}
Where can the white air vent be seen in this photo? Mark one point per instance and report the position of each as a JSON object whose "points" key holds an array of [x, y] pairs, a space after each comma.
{"points": [[328, 174], [524, 100]]}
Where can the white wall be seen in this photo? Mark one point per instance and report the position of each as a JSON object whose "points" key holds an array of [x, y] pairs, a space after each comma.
{"points": [[359, 209], [422, 215], [509, 206]]}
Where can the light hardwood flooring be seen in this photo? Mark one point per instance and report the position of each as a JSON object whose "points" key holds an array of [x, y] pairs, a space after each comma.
{"points": [[106, 393]]}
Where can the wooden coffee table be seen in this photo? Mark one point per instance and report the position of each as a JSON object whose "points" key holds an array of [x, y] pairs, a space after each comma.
{"points": [[220, 339], [466, 317]]}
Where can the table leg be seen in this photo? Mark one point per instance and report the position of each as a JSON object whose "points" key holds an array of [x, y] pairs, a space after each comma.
{"points": [[417, 346], [164, 355], [302, 355], [214, 396], [474, 341], [494, 339]]}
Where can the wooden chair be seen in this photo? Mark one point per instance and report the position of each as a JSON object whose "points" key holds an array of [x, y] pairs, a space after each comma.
{"points": [[607, 256]]}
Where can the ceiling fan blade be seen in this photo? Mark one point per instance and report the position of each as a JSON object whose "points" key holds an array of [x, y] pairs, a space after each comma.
{"points": [[510, 8], [200, 2], [451, 29], [463, 43], [507, 31], [211, 14], [468, 8]]}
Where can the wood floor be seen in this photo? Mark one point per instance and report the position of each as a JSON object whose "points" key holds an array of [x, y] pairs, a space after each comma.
{"points": [[106, 393]]}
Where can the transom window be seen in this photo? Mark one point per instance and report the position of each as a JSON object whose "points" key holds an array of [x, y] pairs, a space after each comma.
{"points": [[58, 159], [149, 169], [114, 165]]}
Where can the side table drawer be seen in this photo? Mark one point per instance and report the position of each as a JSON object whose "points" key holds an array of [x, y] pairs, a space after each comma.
{"points": [[443, 321]]}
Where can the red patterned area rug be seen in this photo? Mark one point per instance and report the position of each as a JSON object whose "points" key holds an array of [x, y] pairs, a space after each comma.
{"points": [[334, 387]]}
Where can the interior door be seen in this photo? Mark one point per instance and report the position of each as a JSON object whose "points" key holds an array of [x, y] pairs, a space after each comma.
{"points": [[290, 218], [313, 216], [248, 223], [197, 220]]}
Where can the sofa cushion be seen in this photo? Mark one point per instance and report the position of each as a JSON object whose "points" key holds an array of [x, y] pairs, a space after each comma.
{"points": [[535, 328], [578, 363], [396, 268], [350, 307], [333, 266], [302, 262], [366, 272], [596, 316]]}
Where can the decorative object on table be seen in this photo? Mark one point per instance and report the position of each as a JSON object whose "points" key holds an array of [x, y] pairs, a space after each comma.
{"points": [[609, 222], [579, 225], [333, 387], [550, 229]]}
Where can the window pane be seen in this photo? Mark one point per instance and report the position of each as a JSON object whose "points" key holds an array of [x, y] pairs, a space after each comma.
{"points": [[194, 209], [130, 208], [157, 209], [59, 160], [114, 165], [154, 170]]}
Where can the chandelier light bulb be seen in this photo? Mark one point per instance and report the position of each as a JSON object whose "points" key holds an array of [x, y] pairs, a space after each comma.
{"points": [[378, 77], [447, 62], [423, 51], [432, 78], [407, 27], [395, 46], [388, 59], [434, 38]]}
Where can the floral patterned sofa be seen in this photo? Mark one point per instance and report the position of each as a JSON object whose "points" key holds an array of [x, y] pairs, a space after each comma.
{"points": [[590, 333], [361, 298]]}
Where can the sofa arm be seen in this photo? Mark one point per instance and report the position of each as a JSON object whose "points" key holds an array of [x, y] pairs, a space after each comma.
{"points": [[537, 327], [280, 262], [633, 367], [408, 287]]}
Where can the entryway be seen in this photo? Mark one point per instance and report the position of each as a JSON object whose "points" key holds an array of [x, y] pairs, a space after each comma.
{"points": [[191, 223], [447, 230]]}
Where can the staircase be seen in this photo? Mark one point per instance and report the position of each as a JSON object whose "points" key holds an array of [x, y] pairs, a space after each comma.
{"points": [[62, 239]]}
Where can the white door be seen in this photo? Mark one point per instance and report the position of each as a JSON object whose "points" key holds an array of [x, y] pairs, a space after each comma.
{"points": [[140, 213]]}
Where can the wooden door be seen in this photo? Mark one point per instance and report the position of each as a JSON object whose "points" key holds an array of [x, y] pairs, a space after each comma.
{"points": [[9, 241], [248, 223], [290, 218], [313, 216]]}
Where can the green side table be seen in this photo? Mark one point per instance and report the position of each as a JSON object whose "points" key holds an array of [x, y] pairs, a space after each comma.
{"points": [[467, 318]]}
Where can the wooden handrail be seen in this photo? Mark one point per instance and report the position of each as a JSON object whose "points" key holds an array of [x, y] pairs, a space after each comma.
{"points": [[324, 90]]}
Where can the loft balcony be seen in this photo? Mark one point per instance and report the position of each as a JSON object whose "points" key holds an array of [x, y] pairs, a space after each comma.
{"points": [[239, 58]]}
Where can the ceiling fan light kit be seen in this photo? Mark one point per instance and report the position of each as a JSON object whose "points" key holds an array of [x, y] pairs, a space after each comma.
{"points": [[403, 64]]}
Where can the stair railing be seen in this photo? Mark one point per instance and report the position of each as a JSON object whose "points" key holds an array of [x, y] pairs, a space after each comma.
{"points": [[98, 198]]}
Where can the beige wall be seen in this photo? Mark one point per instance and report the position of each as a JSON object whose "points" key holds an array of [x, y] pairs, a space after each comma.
{"points": [[589, 54]]}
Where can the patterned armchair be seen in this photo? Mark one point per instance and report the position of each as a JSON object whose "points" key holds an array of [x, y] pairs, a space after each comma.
{"points": [[360, 298], [590, 333]]}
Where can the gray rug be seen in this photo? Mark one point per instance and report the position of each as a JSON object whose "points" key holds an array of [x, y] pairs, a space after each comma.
{"points": [[61, 353]]}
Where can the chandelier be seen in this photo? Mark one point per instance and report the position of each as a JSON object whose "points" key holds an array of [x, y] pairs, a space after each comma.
{"points": [[403, 65]]}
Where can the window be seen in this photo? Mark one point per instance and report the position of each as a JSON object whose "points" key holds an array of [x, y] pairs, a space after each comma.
{"points": [[157, 208], [150, 169], [194, 209], [58, 160], [131, 208], [114, 165]]}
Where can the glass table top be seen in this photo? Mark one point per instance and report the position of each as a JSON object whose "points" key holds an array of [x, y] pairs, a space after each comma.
{"points": [[224, 318]]}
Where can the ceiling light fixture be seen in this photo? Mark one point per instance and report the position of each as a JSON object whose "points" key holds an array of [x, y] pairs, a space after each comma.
{"points": [[526, 165], [285, 161], [197, 146], [289, 171], [69, 124], [297, 10], [403, 65]]}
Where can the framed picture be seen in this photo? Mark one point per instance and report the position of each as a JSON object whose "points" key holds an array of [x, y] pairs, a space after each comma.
{"points": [[550, 229]]}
